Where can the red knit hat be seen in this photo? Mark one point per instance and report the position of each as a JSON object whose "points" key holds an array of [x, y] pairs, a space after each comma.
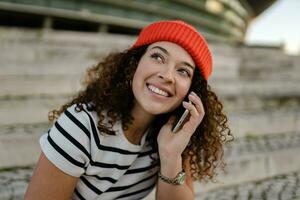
{"points": [[182, 34]]}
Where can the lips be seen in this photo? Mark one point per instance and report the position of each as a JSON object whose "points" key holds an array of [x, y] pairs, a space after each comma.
{"points": [[158, 90]]}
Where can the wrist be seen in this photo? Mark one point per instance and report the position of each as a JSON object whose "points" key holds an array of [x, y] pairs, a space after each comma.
{"points": [[168, 153], [170, 166]]}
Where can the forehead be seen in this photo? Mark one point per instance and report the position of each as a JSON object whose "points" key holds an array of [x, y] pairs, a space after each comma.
{"points": [[174, 50]]}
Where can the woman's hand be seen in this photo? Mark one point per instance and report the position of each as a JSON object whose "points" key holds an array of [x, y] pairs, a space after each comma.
{"points": [[171, 145]]}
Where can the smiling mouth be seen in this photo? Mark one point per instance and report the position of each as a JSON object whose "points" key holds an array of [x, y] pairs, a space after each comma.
{"points": [[158, 91]]}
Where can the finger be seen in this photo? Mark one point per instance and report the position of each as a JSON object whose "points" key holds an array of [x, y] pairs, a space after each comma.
{"points": [[197, 102], [195, 117], [193, 111]]}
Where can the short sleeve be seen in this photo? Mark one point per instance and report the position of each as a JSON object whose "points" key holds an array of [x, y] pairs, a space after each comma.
{"points": [[67, 144]]}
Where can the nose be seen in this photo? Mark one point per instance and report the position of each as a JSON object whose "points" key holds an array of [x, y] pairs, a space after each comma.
{"points": [[167, 74]]}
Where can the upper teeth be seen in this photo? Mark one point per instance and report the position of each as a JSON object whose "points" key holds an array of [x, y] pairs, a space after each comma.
{"points": [[158, 91]]}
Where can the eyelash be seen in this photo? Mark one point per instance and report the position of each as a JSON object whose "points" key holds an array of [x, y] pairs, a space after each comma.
{"points": [[156, 55], [187, 72]]}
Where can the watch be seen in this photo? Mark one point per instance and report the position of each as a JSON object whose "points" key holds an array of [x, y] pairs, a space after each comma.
{"points": [[178, 180]]}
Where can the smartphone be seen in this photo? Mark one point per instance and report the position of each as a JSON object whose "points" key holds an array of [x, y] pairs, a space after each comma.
{"points": [[183, 117]]}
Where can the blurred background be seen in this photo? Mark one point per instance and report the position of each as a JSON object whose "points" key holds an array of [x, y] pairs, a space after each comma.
{"points": [[46, 46]]}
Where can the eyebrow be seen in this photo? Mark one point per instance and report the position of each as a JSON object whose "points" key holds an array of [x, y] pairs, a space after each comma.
{"points": [[166, 52]]}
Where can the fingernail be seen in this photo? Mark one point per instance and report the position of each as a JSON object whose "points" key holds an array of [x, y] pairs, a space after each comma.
{"points": [[185, 103], [192, 96]]}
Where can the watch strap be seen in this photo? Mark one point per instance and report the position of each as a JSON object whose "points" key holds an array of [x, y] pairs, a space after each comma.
{"points": [[178, 180]]}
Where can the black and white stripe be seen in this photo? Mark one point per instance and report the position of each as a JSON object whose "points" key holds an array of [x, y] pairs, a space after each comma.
{"points": [[108, 167]]}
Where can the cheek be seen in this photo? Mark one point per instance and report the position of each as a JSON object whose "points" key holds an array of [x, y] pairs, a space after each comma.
{"points": [[143, 70], [135, 81], [140, 75], [182, 90]]}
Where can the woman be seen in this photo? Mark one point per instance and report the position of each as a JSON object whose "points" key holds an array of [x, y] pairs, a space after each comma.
{"points": [[114, 140]]}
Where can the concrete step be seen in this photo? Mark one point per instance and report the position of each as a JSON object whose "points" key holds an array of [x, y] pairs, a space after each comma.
{"points": [[28, 110], [225, 67], [284, 61], [48, 67], [59, 42], [26, 154], [264, 122], [224, 49], [261, 53], [25, 137], [14, 183], [279, 187], [284, 68], [256, 158], [39, 85], [257, 104], [262, 88]]}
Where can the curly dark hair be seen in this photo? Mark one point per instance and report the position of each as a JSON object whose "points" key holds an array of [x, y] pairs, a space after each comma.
{"points": [[110, 81]]}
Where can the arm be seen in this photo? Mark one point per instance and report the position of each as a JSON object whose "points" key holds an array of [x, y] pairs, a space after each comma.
{"points": [[171, 147], [49, 182], [65, 154], [171, 169]]}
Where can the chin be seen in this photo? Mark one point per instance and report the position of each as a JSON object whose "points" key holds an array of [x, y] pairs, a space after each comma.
{"points": [[157, 109]]}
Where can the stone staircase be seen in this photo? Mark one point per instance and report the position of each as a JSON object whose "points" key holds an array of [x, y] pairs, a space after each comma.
{"points": [[259, 87], [286, 186]]}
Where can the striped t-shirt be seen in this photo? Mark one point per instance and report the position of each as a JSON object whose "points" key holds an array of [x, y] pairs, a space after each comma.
{"points": [[108, 166]]}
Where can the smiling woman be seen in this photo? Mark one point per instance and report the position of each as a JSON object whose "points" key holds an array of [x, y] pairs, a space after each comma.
{"points": [[114, 140]]}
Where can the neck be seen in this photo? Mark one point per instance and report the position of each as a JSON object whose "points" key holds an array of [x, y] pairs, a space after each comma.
{"points": [[141, 122]]}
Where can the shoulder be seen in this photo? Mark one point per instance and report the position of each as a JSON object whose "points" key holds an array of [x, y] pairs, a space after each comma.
{"points": [[75, 112], [80, 116], [67, 143]]}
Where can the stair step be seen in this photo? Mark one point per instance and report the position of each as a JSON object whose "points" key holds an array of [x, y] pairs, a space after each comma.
{"points": [[258, 158], [264, 122], [265, 88], [14, 183], [284, 186], [28, 110], [41, 85], [25, 154]]}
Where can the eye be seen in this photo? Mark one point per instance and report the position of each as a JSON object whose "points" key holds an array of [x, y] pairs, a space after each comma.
{"points": [[158, 57], [184, 72]]}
